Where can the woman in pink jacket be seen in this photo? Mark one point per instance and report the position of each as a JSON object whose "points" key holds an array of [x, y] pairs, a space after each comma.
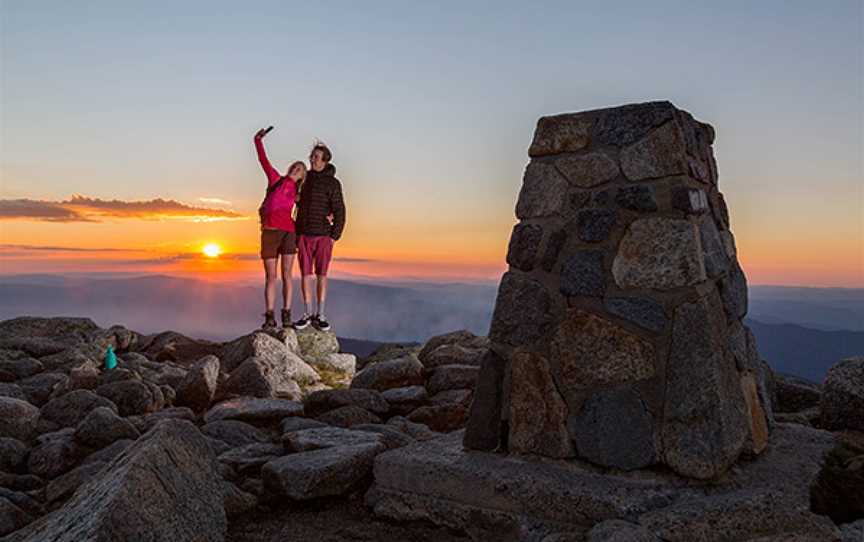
{"points": [[278, 234]]}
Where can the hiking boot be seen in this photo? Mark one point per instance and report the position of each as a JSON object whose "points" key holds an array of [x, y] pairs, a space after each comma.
{"points": [[269, 320], [320, 323], [286, 318], [302, 323]]}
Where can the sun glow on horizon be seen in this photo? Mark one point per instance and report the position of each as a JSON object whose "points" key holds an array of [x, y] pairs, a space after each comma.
{"points": [[212, 250]]}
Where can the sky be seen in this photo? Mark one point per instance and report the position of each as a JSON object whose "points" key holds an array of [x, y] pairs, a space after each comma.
{"points": [[126, 128]]}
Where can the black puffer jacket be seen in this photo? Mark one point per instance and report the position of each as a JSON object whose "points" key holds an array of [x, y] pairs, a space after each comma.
{"points": [[320, 196]]}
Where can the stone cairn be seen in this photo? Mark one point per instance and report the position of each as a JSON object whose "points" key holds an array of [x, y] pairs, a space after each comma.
{"points": [[617, 332]]}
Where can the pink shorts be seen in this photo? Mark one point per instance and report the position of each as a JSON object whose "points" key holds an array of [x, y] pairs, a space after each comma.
{"points": [[314, 250]]}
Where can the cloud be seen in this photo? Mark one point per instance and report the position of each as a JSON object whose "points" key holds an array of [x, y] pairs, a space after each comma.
{"points": [[48, 248], [47, 211], [86, 209], [215, 201]]}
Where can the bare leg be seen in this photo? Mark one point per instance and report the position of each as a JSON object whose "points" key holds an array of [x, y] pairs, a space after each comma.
{"points": [[306, 287], [287, 287], [322, 293], [270, 283]]}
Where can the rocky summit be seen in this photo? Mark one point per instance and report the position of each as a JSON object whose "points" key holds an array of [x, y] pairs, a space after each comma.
{"points": [[618, 396], [189, 440]]}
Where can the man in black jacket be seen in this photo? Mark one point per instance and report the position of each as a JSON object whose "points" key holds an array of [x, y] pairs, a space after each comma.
{"points": [[320, 221]]}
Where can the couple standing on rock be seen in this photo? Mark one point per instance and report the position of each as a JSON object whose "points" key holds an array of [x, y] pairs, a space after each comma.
{"points": [[303, 213]]}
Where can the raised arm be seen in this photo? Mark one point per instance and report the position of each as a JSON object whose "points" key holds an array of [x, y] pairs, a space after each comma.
{"points": [[337, 207], [269, 170]]}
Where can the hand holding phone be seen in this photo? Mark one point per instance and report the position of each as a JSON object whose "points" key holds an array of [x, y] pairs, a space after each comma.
{"points": [[263, 132]]}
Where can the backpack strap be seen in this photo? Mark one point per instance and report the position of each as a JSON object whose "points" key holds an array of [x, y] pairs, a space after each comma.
{"points": [[275, 186]]}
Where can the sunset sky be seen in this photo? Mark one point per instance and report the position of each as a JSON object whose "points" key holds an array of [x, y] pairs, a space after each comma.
{"points": [[126, 127]]}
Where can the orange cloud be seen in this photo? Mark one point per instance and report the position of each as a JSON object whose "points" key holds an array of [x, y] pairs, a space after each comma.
{"points": [[47, 211], [87, 209]]}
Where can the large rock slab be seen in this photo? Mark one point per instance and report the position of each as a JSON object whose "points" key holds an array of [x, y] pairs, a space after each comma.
{"points": [[254, 410], [38, 388], [12, 390], [248, 460], [348, 416], [22, 367], [317, 345], [616, 530], [133, 397], [454, 354], [498, 497], [173, 346], [45, 336], [389, 351], [55, 454], [322, 401], [13, 454], [148, 421], [842, 400], [161, 488], [198, 387], [259, 344], [64, 486], [838, 490], [404, 400], [462, 337], [442, 417], [70, 409], [452, 377], [327, 437], [743, 515], [103, 426], [344, 364], [395, 373], [320, 473], [17, 418], [234, 433], [795, 394], [508, 497], [12, 517], [262, 377]]}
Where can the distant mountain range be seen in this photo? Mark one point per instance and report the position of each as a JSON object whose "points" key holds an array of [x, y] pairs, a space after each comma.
{"points": [[802, 351], [801, 331], [828, 309]]}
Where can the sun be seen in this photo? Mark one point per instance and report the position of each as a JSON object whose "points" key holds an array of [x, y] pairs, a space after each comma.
{"points": [[212, 250]]}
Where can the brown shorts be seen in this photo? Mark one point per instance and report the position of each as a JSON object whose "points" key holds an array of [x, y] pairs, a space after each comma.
{"points": [[275, 242]]}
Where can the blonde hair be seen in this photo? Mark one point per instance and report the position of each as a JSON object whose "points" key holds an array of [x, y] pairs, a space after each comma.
{"points": [[302, 167]]}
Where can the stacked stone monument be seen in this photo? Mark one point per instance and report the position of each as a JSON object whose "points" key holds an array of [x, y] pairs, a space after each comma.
{"points": [[617, 332]]}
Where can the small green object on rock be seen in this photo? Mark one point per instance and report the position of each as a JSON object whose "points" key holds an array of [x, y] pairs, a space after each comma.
{"points": [[110, 358]]}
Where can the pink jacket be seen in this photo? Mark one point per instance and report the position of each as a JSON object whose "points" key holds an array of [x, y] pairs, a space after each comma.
{"points": [[279, 203]]}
